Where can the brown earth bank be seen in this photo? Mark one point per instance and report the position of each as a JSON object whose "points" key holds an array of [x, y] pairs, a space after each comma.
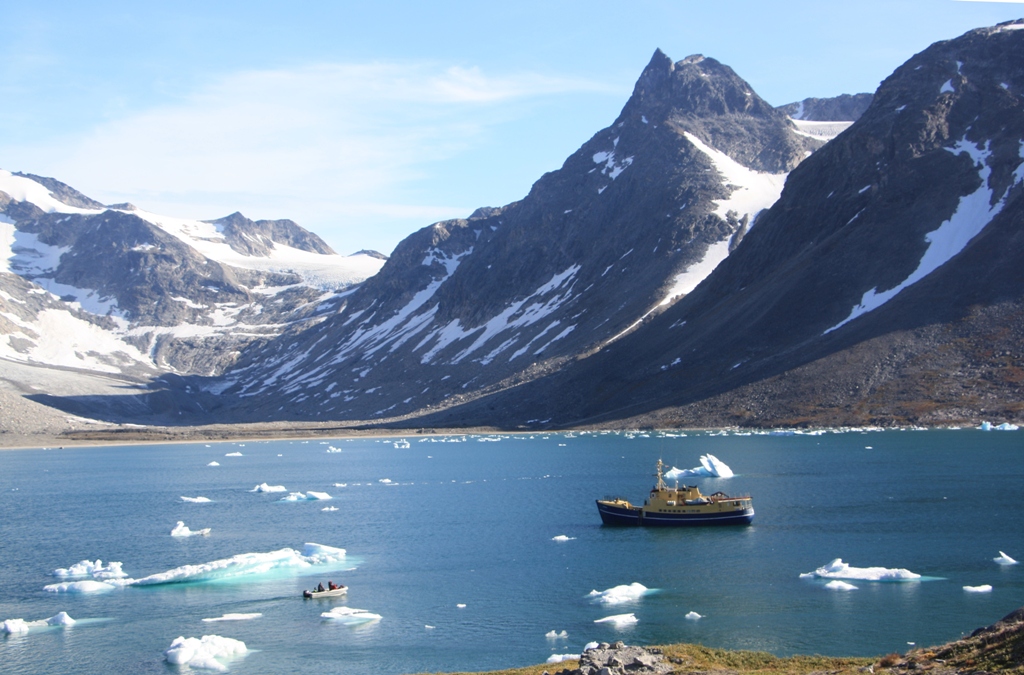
{"points": [[998, 648]]}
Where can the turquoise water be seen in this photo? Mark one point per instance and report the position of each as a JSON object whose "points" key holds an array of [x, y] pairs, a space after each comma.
{"points": [[472, 522]]}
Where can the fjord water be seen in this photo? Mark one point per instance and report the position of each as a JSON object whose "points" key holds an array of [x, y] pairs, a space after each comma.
{"points": [[470, 521]]}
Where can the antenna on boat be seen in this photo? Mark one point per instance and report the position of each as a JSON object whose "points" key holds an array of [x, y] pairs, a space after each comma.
{"points": [[661, 483]]}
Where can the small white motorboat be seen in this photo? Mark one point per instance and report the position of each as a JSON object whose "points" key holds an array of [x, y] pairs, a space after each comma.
{"points": [[332, 593]]}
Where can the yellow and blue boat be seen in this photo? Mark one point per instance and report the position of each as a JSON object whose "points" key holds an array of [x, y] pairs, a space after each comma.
{"points": [[677, 506]]}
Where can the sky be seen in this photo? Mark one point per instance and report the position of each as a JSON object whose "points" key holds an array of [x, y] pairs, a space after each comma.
{"points": [[366, 123]]}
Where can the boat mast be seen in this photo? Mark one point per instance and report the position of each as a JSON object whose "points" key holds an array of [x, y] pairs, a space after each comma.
{"points": [[661, 483]]}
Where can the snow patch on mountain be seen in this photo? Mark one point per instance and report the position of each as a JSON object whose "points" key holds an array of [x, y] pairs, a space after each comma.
{"points": [[822, 131], [752, 191], [23, 189], [974, 212]]}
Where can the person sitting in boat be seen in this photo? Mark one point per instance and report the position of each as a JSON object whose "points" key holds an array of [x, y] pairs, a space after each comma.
{"points": [[320, 588], [331, 586]]}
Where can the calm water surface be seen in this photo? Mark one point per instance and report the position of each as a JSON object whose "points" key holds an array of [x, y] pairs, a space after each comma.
{"points": [[470, 522]]}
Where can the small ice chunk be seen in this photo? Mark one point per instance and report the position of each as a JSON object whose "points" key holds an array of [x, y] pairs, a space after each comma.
{"points": [[294, 497], [235, 617], [837, 585], [619, 619], [1006, 426], [18, 626], [181, 530], [263, 487], [429, 627], [461, 605], [317, 495], [233, 454], [331, 449], [341, 485], [350, 616], [562, 537], [384, 480], [590, 645], [552, 635], [837, 569], [984, 588], [1004, 559], [985, 426], [88, 586], [558, 658], [60, 619], [207, 653], [213, 464], [693, 616], [196, 500], [619, 594], [329, 508]]}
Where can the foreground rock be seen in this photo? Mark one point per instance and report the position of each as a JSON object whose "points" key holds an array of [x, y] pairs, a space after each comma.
{"points": [[620, 659]]}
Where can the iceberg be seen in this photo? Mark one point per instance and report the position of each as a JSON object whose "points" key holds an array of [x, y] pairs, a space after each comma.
{"points": [[619, 594], [1006, 426], [590, 645], [244, 564], [552, 635], [196, 500], [1004, 559], [619, 619], [95, 569], [837, 569], [207, 653], [711, 467], [181, 530], [329, 508], [18, 626], [562, 537], [233, 454], [213, 464], [310, 495], [294, 497], [235, 617], [984, 588], [263, 487], [350, 616], [80, 587], [837, 585], [461, 605], [558, 658], [332, 449], [693, 616]]}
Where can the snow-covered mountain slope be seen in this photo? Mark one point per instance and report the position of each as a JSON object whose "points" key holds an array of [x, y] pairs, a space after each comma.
{"points": [[631, 222], [886, 285], [117, 289]]}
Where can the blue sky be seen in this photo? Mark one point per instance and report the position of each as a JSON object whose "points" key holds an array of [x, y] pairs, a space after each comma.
{"points": [[364, 123]]}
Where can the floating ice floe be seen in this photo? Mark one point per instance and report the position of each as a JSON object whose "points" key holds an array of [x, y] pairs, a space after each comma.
{"points": [[310, 495], [402, 444], [213, 464], [331, 449], [620, 594], [711, 467], [1004, 559], [386, 481], [350, 616], [209, 653], [619, 619], [87, 586], [17, 626], [590, 645], [558, 658], [461, 605], [837, 569], [181, 530], [329, 508], [95, 569], [693, 616], [1006, 426], [341, 485], [235, 617], [562, 537], [233, 454], [984, 588], [263, 487], [837, 585], [196, 500], [552, 635]]}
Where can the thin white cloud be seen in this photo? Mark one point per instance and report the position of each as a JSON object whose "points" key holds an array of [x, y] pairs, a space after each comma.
{"points": [[330, 141]]}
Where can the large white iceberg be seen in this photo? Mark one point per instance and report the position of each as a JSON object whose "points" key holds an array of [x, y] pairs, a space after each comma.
{"points": [[89, 568], [263, 487], [1004, 559], [207, 653], [182, 530], [837, 569], [619, 594], [88, 586], [619, 619], [350, 616], [16, 626], [710, 467]]}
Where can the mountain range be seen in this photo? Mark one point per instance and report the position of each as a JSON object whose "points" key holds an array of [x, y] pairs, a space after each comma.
{"points": [[705, 260]]}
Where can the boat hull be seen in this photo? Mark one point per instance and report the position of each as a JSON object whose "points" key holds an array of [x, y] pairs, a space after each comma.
{"points": [[612, 514], [336, 593]]}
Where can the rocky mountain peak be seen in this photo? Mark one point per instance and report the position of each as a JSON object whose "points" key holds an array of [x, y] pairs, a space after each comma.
{"points": [[258, 238]]}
